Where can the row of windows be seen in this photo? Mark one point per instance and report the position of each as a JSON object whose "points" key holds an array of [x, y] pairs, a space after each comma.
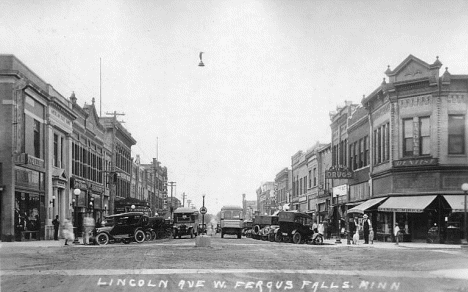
{"points": [[416, 141], [123, 159], [359, 153], [86, 163]]}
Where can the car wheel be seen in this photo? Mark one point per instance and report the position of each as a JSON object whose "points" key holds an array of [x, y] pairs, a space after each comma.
{"points": [[139, 236], [153, 235], [297, 238], [222, 234], [102, 239], [319, 240], [278, 237], [147, 235]]}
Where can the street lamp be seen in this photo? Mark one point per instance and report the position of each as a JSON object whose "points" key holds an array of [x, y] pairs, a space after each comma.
{"points": [[464, 188], [133, 207], [76, 192], [53, 201]]}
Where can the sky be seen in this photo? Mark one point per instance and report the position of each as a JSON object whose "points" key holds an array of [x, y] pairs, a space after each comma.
{"points": [[273, 72]]}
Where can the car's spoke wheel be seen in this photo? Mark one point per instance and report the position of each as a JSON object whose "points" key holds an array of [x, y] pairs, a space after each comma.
{"points": [[139, 236], [297, 238], [147, 235], [319, 240], [278, 237], [102, 238], [153, 235]]}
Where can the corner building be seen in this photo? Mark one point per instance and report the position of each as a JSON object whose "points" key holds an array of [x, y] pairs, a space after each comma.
{"points": [[418, 157]]}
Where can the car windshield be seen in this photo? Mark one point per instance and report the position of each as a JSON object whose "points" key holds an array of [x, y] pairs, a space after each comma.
{"points": [[232, 214], [181, 218]]}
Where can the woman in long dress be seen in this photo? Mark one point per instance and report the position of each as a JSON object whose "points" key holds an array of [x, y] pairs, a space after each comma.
{"points": [[68, 231]]}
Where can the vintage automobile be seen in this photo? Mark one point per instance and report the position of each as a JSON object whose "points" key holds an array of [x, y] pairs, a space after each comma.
{"points": [[262, 225], [247, 230], [157, 228], [296, 227], [201, 228], [185, 222], [125, 227]]}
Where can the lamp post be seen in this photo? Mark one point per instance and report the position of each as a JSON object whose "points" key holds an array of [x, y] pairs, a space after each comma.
{"points": [[76, 192], [464, 188], [53, 201]]}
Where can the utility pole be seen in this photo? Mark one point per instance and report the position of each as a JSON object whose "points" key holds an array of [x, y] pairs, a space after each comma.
{"points": [[113, 192], [172, 184]]}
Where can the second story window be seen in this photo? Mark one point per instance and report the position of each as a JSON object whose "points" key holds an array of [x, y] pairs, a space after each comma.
{"points": [[56, 161], [424, 136], [37, 139], [456, 134], [408, 137]]}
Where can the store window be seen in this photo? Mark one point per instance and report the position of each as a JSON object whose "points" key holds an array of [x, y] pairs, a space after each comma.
{"points": [[456, 134], [29, 213]]}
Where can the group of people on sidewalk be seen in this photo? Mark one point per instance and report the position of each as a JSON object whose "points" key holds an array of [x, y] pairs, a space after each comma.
{"points": [[67, 229]]}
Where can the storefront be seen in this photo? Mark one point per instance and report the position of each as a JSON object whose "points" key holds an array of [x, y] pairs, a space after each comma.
{"points": [[30, 207], [415, 216]]}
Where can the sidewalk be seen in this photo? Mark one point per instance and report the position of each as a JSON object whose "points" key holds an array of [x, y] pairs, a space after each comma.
{"points": [[40, 243], [392, 245]]}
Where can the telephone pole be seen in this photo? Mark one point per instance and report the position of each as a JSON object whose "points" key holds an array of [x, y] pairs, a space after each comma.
{"points": [[171, 184]]}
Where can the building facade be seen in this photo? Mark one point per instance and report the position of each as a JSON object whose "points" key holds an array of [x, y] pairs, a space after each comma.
{"points": [[419, 159], [283, 188]]}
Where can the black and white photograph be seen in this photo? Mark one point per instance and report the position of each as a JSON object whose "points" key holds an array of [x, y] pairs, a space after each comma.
{"points": [[234, 145]]}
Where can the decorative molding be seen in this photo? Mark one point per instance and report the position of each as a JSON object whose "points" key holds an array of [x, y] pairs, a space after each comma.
{"points": [[415, 101]]}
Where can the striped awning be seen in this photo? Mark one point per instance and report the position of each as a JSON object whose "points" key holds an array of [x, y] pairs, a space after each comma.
{"points": [[409, 204], [366, 205]]}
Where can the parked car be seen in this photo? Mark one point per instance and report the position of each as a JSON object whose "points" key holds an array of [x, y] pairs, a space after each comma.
{"points": [[296, 227], [201, 228], [247, 230], [125, 227], [262, 225]]}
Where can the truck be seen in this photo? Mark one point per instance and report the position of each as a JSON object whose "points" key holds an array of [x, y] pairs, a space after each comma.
{"points": [[232, 221]]}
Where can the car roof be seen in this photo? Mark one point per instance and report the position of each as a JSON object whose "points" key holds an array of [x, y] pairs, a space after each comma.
{"points": [[185, 210], [125, 214]]}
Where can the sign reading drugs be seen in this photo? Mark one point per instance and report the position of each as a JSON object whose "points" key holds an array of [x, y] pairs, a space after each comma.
{"points": [[338, 172]]}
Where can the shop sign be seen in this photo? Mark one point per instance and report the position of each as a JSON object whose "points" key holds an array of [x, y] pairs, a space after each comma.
{"points": [[338, 172], [340, 191], [302, 199], [58, 184], [415, 162], [407, 210], [26, 159]]}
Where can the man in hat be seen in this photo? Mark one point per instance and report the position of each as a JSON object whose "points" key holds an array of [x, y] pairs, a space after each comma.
{"points": [[366, 226]]}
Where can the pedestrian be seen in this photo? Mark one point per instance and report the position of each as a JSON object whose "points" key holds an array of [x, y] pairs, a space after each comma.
{"points": [[38, 227], [56, 224], [67, 231], [396, 232], [371, 235], [88, 224], [366, 226]]}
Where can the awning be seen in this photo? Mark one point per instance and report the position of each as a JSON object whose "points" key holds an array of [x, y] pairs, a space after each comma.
{"points": [[413, 204], [366, 205], [457, 203]]}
